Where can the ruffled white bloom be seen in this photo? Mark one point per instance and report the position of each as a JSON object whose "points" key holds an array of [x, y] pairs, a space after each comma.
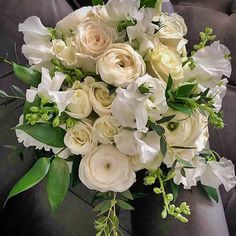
{"points": [[132, 102], [120, 65], [146, 146], [163, 61], [217, 173], [184, 131], [211, 64], [173, 32], [80, 139], [29, 141], [71, 21], [49, 89], [99, 96], [106, 169], [80, 106], [106, 127], [37, 47]]}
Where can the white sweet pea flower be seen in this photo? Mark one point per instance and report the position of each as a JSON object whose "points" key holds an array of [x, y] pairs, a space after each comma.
{"points": [[145, 146], [211, 64], [37, 47], [132, 104], [106, 169], [217, 173], [49, 89], [80, 139]]}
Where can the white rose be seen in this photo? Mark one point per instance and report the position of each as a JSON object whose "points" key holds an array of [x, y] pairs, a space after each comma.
{"points": [[99, 96], [106, 169], [120, 65], [185, 131], [163, 61], [106, 127], [80, 139], [80, 106], [173, 31]]}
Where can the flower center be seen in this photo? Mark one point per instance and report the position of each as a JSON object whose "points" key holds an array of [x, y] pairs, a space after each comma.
{"points": [[172, 126]]}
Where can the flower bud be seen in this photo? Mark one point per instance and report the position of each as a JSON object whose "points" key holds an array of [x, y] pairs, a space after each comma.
{"points": [[157, 190], [70, 123], [34, 109], [56, 121], [164, 213]]}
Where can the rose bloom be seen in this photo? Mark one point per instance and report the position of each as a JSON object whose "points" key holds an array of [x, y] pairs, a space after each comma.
{"points": [[99, 96], [106, 128], [80, 107], [80, 139], [106, 169], [163, 61], [120, 65]]}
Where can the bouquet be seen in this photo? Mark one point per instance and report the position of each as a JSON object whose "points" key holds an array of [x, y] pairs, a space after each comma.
{"points": [[113, 91]]}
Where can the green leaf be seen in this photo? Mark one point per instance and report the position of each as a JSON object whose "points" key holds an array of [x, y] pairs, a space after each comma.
{"points": [[45, 133], [163, 146], [127, 194], [124, 205], [185, 163], [148, 3], [104, 206], [182, 171], [211, 192], [182, 147], [58, 182], [139, 195], [32, 177], [27, 106], [165, 119], [97, 2], [74, 173], [181, 107], [169, 85], [27, 75], [157, 128], [175, 190], [185, 90]]}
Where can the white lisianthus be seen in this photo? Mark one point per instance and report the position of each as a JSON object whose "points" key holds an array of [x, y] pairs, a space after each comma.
{"points": [[146, 146], [185, 131], [163, 61], [132, 102], [120, 65], [211, 63], [106, 169], [80, 139], [37, 47], [173, 32], [49, 88], [156, 101], [71, 21], [64, 52], [106, 127], [99, 96], [80, 106], [217, 173]]}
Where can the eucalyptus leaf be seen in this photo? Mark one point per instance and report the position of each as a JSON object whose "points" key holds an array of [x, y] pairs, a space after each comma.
{"points": [[181, 107], [185, 163], [58, 182], [175, 190], [169, 85], [211, 192], [18, 91], [165, 119], [124, 205], [163, 145], [127, 194], [28, 75], [45, 133], [32, 177], [157, 128]]}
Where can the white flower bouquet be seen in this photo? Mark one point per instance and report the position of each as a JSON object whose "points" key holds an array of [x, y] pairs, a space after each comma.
{"points": [[114, 91]]}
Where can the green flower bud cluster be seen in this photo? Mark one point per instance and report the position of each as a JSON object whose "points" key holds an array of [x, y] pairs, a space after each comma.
{"points": [[144, 88], [122, 25]]}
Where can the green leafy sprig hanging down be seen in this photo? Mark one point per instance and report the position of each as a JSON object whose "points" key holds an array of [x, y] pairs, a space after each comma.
{"points": [[186, 99]]}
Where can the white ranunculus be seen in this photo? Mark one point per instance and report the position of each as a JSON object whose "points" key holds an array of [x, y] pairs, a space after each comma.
{"points": [[49, 88], [80, 106], [71, 21], [64, 52], [173, 32], [120, 65], [99, 96], [217, 173], [106, 127], [80, 139], [185, 131], [106, 169], [132, 104], [156, 102], [211, 64], [146, 146], [163, 61]]}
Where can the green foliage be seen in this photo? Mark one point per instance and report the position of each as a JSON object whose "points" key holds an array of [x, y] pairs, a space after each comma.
{"points": [[97, 2], [175, 190], [45, 133], [58, 182], [149, 3], [127, 194], [122, 25], [124, 205], [28, 75], [32, 177], [211, 192], [163, 144], [74, 173]]}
